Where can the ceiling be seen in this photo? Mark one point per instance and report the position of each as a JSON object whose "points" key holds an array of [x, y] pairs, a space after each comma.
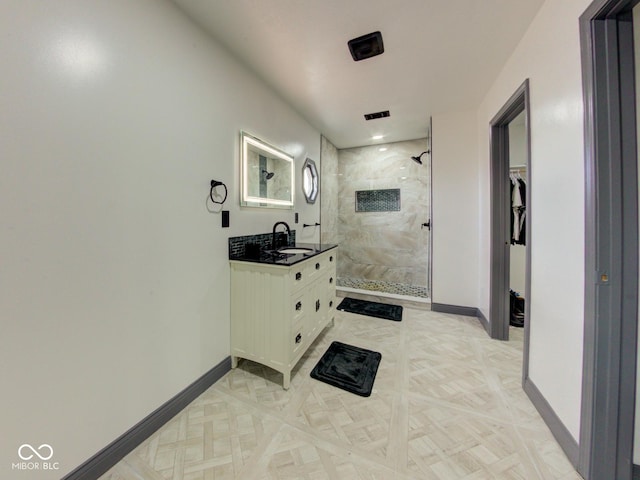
{"points": [[440, 56]]}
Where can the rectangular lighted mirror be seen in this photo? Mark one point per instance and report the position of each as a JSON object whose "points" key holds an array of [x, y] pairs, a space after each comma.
{"points": [[266, 174]]}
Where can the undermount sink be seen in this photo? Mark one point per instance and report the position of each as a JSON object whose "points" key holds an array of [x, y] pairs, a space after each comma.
{"points": [[295, 250]]}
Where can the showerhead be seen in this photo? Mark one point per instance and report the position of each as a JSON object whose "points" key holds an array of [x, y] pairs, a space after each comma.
{"points": [[418, 159], [268, 175]]}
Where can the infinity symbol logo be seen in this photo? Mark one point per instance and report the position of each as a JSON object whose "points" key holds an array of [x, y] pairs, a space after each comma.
{"points": [[29, 456]]}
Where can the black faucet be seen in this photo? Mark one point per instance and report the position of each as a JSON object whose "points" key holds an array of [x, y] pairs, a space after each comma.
{"points": [[273, 241]]}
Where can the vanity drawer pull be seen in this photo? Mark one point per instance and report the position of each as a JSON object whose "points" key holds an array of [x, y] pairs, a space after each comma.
{"points": [[298, 338], [299, 276], [317, 266], [331, 258], [317, 305], [298, 305], [331, 304], [331, 280]]}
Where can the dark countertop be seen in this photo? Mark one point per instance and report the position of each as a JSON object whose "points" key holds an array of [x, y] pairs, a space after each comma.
{"points": [[269, 257]]}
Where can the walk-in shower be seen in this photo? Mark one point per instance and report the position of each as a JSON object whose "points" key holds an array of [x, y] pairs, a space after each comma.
{"points": [[376, 202]]}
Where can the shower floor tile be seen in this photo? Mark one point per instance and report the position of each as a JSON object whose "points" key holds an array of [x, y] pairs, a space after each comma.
{"points": [[383, 286]]}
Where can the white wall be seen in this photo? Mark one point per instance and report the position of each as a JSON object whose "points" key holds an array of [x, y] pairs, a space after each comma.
{"points": [[549, 55], [114, 276], [517, 142], [455, 209]]}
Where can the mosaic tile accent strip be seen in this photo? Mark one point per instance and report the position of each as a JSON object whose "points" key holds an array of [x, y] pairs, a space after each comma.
{"points": [[238, 245], [382, 286], [378, 200]]}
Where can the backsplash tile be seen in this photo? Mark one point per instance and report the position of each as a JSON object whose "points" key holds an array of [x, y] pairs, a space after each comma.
{"points": [[240, 246]]}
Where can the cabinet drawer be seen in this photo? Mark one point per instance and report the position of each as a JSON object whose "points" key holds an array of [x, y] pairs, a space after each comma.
{"points": [[331, 302], [324, 262], [309, 270], [298, 306], [297, 338], [299, 275]]}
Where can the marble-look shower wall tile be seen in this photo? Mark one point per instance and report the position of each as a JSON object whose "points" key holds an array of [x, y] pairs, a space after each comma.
{"points": [[384, 246]]}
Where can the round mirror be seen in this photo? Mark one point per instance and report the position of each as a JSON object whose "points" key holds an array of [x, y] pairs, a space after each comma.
{"points": [[310, 180]]}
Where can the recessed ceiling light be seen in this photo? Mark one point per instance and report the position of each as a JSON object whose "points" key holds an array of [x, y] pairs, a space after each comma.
{"points": [[377, 137]]}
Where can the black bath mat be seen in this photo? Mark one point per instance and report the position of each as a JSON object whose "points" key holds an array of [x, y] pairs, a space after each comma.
{"points": [[347, 367], [372, 309]]}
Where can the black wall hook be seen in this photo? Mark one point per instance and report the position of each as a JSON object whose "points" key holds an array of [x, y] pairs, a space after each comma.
{"points": [[214, 184]]}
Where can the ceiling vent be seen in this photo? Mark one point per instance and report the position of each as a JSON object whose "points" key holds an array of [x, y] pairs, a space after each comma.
{"points": [[366, 46], [373, 116]]}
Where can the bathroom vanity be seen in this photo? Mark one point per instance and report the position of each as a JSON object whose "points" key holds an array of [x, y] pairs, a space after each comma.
{"points": [[280, 302]]}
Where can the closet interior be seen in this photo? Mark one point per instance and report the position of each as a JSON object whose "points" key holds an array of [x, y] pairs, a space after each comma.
{"points": [[518, 250], [517, 176]]}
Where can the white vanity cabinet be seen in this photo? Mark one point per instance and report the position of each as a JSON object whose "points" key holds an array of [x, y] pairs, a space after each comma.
{"points": [[277, 311]]}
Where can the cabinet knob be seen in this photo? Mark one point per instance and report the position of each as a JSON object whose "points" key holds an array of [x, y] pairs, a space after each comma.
{"points": [[298, 305], [317, 305], [331, 258], [299, 276], [298, 338], [317, 266], [331, 304], [331, 280]]}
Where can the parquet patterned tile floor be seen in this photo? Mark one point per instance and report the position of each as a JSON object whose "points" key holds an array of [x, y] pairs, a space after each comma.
{"points": [[446, 405]]}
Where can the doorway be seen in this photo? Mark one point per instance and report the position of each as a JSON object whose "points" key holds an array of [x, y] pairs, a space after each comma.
{"points": [[508, 227]]}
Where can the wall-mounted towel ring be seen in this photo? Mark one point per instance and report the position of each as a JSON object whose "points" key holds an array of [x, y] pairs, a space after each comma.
{"points": [[214, 184]]}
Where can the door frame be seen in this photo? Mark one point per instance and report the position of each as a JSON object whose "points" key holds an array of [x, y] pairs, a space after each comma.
{"points": [[611, 241], [500, 219], [430, 213]]}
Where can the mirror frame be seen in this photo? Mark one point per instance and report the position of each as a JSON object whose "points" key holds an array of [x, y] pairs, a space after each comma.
{"points": [[315, 180], [247, 200]]}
